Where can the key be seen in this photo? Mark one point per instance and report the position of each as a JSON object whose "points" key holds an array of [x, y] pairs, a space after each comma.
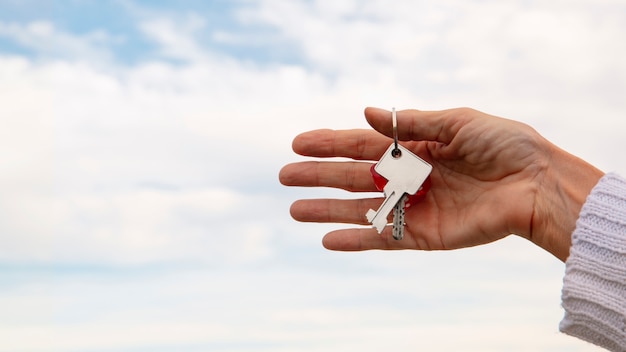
{"points": [[405, 172], [398, 218]]}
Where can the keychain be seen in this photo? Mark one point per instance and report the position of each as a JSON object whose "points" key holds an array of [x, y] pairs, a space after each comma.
{"points": [[404, 179]]}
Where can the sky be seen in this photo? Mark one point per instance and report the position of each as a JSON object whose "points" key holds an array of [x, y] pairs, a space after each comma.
{"points": [[140, 208]]}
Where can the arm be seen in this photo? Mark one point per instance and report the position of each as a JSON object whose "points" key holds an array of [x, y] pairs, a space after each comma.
{"points": [[491, 177]]}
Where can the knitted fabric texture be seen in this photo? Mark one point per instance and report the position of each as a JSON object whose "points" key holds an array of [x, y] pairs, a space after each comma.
{"points": [[594, 287]]}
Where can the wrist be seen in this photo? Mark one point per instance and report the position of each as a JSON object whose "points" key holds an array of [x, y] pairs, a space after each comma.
{"points": [[561, 193]]}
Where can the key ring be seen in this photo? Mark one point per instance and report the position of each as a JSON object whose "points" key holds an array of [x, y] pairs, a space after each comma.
{"points": [[396, 152]]}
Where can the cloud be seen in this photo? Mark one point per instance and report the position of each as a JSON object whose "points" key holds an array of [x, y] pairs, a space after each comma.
{"points": [[176, 39], [465, 42], [290, 308]]}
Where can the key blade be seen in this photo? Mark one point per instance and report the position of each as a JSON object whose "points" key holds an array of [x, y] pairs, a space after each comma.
{"points": [[398, 218]]}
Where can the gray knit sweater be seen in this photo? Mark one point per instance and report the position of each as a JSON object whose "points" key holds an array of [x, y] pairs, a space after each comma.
{"points": [[594, 287]]}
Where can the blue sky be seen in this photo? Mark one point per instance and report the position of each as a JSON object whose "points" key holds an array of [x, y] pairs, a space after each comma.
{"points": [[140, 208], [117, 18]]}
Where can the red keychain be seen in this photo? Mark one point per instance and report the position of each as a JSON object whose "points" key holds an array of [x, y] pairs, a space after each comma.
{"points": [[404, 179]]}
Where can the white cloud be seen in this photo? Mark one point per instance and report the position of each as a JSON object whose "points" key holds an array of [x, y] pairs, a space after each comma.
{"points": [[176, 39], [291, 308], [127, 227]]}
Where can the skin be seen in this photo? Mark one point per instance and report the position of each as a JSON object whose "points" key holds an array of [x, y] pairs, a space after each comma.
{"points": [[491, 177]]}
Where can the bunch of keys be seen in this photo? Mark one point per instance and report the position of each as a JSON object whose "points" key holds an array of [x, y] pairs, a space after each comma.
{"points": [[403, 177]]}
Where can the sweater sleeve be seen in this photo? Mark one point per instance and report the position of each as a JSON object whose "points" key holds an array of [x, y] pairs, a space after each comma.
{"points": [[594, 287]]}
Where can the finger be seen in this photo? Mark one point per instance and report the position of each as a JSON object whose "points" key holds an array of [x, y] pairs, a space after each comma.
{"points": [[438, 126], [351, 176], [364, 239], [347, 211], [354, 144]]}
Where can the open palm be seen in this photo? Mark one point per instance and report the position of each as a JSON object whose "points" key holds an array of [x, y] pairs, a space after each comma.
{"points": [[487, 177]]}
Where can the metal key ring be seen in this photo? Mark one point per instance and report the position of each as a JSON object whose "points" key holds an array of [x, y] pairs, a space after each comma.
{"points": [[396, 152]]}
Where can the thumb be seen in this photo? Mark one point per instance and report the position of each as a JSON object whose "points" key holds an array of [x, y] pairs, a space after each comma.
{"points": [[415, 125]]}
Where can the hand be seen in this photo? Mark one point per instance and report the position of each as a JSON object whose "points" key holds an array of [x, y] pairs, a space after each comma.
{"points": [[491, 177]]}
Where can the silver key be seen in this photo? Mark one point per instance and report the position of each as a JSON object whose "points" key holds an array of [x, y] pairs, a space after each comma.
{"points": [[405, 173], [398, 218]]}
